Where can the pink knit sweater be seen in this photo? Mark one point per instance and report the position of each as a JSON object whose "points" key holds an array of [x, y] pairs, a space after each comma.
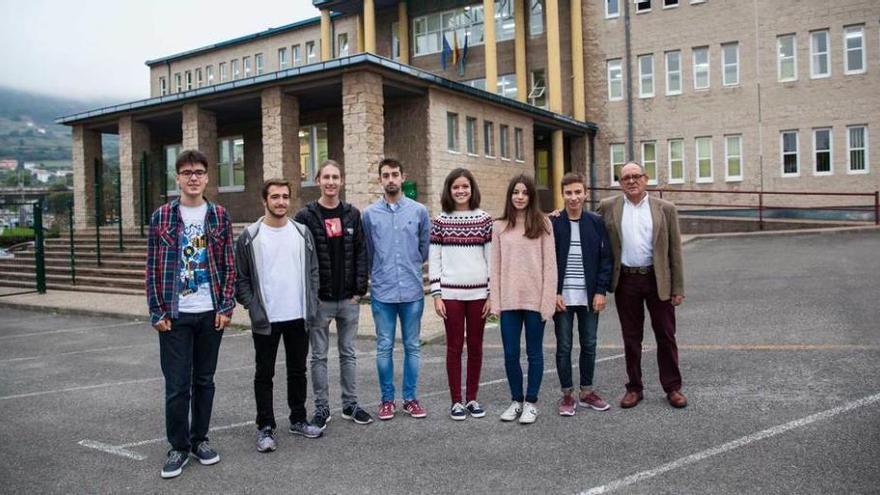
{"points": [[523, 270]]}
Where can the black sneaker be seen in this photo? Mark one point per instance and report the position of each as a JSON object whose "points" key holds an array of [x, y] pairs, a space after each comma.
{"points": [[205, 454], [174, 464], [356, 414], [321, 417]]}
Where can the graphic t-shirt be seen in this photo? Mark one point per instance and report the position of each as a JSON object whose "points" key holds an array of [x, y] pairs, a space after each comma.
{"points": [[194, 282], [336, 247]]}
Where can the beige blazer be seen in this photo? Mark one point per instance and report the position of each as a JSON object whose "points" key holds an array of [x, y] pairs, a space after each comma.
{"points": [[668, 266]]}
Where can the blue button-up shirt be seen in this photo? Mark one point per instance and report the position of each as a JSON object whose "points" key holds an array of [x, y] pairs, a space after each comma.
{"points": [[398, 239]]}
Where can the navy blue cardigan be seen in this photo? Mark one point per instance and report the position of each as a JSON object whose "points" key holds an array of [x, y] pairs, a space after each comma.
{"points": [[595, 247]]}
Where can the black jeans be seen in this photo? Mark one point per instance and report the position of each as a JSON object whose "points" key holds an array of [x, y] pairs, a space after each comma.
{"points": [[296, 348], [188, 353]]}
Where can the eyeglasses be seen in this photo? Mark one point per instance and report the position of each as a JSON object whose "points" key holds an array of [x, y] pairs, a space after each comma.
{"points": [[633, 177], [189, 173]]}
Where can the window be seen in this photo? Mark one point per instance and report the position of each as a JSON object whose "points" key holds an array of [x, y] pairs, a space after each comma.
{"points": [[296, 53], [506, 86], [612, 9], [518, 148], [233, 65], [200, 81], [504, 141], [676, 161], [171, 152], [854, 49], [223, 75], [787, 57], [452, 131], [258, 63], [312, 150], [246, 63], [458, 24], [178, 83], [857, 149], [701, 67], [536, 18], [283, 60], [342, 45], [471, 131], [188, 77], [395, 41], [643, 6], [537, 88], [819, 62], [790, 158], [488, 139], [733, 158], [231, 163], [670, 3], [649, 161], [618, 158], [476, 83], [822, 152], [673, 73], [730, 64], [209, 74], [615, 80], [704, 159], [163, 86], [646, 76], [311, 53]]}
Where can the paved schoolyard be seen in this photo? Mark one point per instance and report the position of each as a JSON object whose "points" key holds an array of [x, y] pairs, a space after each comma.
{"points": [[780, 350]]}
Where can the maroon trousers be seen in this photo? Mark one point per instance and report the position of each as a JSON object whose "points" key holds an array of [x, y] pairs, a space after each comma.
{"points": [[633, 293], [464, 318]]}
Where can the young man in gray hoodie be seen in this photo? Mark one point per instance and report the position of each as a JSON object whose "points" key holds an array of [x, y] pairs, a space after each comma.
{"points": [[277, 281]]}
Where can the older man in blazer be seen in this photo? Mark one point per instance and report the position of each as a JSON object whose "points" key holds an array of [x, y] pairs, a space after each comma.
{"points": [[648, 271]]}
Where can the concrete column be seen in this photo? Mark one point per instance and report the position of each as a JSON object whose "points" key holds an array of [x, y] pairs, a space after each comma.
{"points": [[554, 63], [369, 26], [134, 141], [519, 18], [281, 138], [360, 33], [363, 121], [557, 152], [403, 31], [200, 133], [490, 46], [326, 34], [577, 61], [86, 148]]}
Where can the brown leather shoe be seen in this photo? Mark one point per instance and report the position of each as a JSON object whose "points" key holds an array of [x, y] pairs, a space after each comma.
{"points": [[630, 399], [677, 399]]}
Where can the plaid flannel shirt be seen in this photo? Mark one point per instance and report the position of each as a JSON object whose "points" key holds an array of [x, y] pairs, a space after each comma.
{"points": [[163, 260]]}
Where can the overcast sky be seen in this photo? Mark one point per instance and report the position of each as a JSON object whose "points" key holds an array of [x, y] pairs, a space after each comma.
{"points": [[97, 48]]}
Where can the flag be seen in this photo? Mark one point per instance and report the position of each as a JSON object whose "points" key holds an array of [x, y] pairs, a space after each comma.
{"points": [[455, 51], [462, 59], [445, 53]]}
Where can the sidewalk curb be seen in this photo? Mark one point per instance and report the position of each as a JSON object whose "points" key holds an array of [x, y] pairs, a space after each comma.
{"points": [[792, 232]]}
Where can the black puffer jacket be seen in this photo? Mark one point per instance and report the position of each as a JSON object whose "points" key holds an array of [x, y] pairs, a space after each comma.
{"points": [[356, 268]]}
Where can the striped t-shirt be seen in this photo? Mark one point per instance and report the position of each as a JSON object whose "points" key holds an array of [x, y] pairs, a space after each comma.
{"points": [[574, 284]]}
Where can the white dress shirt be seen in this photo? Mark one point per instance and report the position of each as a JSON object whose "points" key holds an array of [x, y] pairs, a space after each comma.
{"points": [[637, 232]]}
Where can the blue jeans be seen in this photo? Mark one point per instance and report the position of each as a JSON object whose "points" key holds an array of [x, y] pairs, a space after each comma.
{"points": [[588, 323], [511, 329], [385, 317]]}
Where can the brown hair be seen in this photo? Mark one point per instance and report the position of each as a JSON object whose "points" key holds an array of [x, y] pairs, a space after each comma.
{"points": [[390, 162], [192, 157], [329, 163], [574, 178], [535, 222], [273, 182], [446, 201]]}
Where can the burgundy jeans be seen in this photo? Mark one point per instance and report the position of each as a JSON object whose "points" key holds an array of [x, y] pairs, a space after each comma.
{"points": [[464, 317], [633, 293]]}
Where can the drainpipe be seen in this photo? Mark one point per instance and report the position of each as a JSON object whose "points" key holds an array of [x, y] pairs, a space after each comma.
{"points": [[592, 137], [629, 97]]}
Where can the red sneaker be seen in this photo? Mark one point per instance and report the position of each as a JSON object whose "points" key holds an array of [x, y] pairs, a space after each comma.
{"points": [[594, 401], [387, 410], [414, 409]]}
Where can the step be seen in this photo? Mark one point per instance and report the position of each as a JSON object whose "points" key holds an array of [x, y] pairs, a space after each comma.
{"points": [[78, 287], [7, 276]]}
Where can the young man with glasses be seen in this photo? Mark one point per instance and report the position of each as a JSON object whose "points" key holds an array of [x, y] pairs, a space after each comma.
{"points": [[190, 279], [648, 271]]}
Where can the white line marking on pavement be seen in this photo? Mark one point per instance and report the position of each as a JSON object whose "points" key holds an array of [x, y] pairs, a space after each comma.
{"points": [[110, 449], [74, 330], [735, 444]]}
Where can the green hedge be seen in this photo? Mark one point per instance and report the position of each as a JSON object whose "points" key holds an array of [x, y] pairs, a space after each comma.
{"points": [[16, 235]]}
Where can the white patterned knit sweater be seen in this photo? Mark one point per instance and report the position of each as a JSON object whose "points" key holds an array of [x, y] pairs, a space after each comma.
{"points": [[461, 243]]}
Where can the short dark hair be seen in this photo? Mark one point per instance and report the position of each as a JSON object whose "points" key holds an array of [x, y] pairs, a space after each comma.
{"points": [[273, 182], [329, 163], [573, 178], [446, 201], [390, 162], [190, 157]]}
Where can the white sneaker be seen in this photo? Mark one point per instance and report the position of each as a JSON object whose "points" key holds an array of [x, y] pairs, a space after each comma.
{"points": [[512, 412], [529, 414]]}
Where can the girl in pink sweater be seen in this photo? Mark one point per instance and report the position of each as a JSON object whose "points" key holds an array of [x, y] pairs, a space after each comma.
{"points": [[523, 290]]}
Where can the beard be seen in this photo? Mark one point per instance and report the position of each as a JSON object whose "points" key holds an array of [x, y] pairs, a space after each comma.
{"points": [[276, 215], [392, 189]]}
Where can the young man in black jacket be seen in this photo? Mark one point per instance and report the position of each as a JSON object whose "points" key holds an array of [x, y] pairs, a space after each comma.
{"points": [[342, 261]]}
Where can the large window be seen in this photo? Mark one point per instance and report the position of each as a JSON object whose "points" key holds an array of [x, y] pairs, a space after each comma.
{"points": [[612, 9], [854, 49], [617, 159], [673, 73], [504, 86], [649, 161], [171, 152], [787, 57], [676, 161], [395, 41], [536, 17], [342, 45], [537, 88], [231, 163], [283, 59], [789, 152], [246, 63], [312, 150], [820, 65], [733, 162], [730, 64], [646, 76], [615, 80], [458, 24], [704, 159], [471, 133], [452, 131], [311, 53], [296, 54], [518, 145], [857, 149], [504, 141], [259, 65], [701, 67], [489, 139]]}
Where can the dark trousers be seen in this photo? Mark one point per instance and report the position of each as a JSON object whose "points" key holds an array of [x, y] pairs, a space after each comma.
{"points": [[464, 318], [296, 348], [588, 324], [188, 354], [512, 323], [633, 293]]}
